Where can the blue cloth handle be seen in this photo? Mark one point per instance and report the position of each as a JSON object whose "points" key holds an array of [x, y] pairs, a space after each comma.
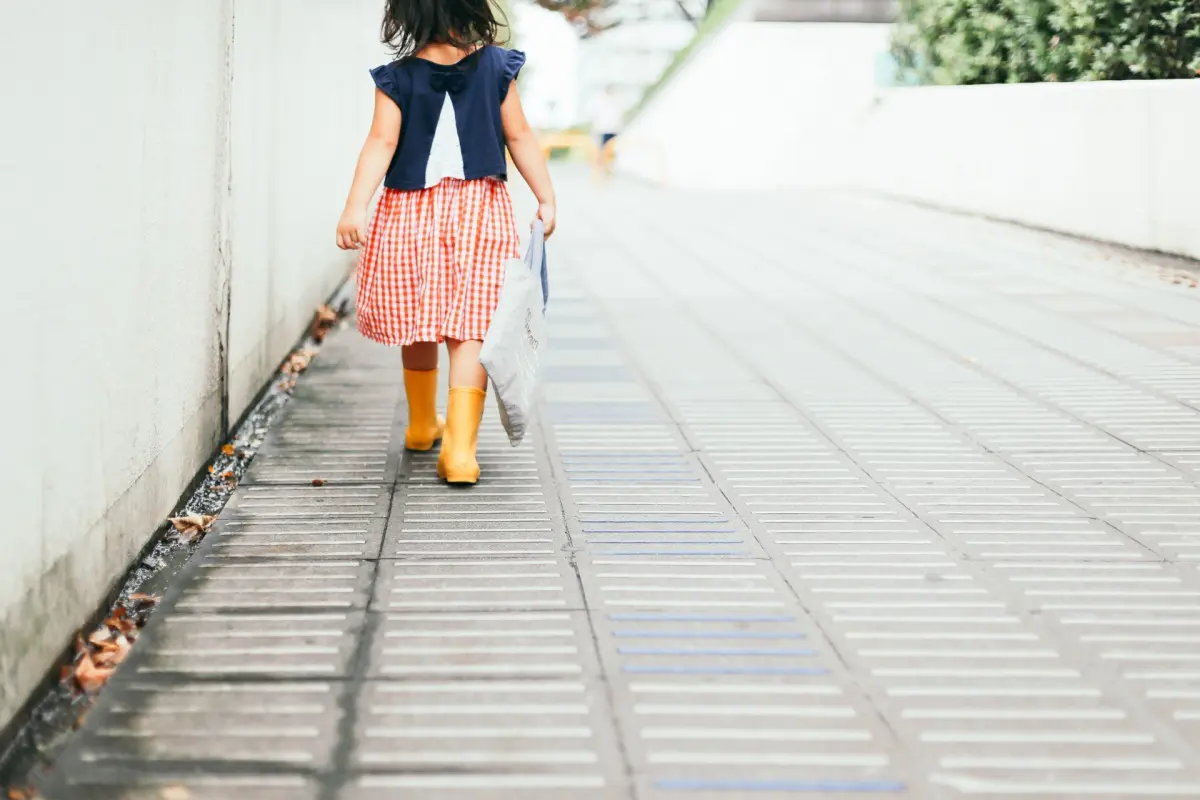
{"points": [[535, 259]]}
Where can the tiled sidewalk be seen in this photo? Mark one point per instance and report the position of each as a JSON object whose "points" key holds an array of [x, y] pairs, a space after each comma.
{"points": [[829, 498]]}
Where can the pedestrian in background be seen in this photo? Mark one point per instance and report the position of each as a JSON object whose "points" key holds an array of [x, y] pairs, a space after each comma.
{"points": [[607, 118], [433, 263]]}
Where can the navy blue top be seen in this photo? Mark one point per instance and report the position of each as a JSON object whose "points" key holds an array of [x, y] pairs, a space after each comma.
{"points": [[450, 116]]}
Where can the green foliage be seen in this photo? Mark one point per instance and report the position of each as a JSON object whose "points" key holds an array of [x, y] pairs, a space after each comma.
{"points": [[1019, 41]]}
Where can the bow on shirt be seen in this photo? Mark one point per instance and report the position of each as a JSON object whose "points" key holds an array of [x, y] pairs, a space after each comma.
{"points": [[452, 82]]}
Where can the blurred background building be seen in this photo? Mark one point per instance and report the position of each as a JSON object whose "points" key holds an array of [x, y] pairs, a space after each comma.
{"points": [[634, 54], [567, 73]]}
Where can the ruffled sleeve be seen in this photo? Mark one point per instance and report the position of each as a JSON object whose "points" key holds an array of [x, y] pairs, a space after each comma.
{"points": [[388, 81], [509, 69]]}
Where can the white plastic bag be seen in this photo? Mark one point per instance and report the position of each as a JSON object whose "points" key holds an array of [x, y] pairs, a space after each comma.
{"points": [[516, 340]]}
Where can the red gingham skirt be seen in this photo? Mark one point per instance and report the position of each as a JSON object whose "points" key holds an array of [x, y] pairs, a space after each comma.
{"points": [[433, 265]]}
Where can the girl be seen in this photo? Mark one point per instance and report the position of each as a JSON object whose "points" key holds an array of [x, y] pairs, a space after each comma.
{"points": [[432, 266]]}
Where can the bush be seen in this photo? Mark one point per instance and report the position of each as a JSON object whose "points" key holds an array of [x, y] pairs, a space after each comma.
{"points": [[1019, 41]]}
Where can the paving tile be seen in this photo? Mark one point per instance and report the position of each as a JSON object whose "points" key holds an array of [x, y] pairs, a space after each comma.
{"points": [[489, 734], [450, 645], [309, 537], [872, 501], [481, 584], [317, 644], [242, 584], [267, 502]]}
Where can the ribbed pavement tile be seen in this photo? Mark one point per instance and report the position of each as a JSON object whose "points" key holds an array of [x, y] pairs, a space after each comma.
{"points": [[829, 497], [972, 501]]}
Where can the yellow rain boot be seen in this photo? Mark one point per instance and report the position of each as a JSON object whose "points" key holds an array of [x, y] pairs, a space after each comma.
{"points": [[457, 462], [425, 427]]}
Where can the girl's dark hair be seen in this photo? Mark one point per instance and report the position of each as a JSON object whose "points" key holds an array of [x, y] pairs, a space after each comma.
{"points": [[410, 25]]}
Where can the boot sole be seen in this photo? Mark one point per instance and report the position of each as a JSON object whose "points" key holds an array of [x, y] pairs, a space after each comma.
{"points": [[458, 480], [421, 447]]}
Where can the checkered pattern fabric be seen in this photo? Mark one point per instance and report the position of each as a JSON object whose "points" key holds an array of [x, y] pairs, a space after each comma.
{"points": [[433, 266]]}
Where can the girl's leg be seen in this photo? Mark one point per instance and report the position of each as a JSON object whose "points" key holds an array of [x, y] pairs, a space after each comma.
{"points": [[468, 390], [425, 427], [420, 357], [465, 369]]}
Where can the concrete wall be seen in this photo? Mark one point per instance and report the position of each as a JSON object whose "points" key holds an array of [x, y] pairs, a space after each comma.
{"points": [[760, 104], [798, 104], [170, 175], [1113, 161]]}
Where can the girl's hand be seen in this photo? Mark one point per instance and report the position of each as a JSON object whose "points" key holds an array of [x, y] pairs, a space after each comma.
{"points": [[548, 214], [352, 229]]}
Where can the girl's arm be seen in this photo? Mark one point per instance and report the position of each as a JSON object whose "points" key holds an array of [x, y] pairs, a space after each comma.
{"points": [[527, 155], [373, 164]]}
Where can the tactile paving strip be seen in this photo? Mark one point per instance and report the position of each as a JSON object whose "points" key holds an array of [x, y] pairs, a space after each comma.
{"points": [[241, 684], [484, 676], [820, 505], [960, 513], [723, 684], [374, 634]]}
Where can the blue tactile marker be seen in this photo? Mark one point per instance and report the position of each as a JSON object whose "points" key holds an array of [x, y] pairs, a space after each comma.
{"points": [[784, 785], [687, 670], [714, 651], [673, 616], [705, 635], [673, 552]]}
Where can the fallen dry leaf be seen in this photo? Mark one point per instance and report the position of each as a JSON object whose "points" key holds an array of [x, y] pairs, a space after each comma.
{"points": [[318, 481], [119, 621], [125, 626], [298, 361], [152, 599], [323, 320], [20, 793], [227, 475], [113, 653], [101, 637], [211, 469], [90, 677], [104, 654], [228, 450], [192, 526]]}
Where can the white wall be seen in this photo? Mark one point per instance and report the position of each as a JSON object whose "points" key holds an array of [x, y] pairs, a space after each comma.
{"points": [[139, 183], [760, 104], [629, 58], [1114, 161], [796, 104], [302, 105]]}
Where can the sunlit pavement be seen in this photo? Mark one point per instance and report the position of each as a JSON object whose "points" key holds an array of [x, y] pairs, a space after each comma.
{"points": [[830, 497]]}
